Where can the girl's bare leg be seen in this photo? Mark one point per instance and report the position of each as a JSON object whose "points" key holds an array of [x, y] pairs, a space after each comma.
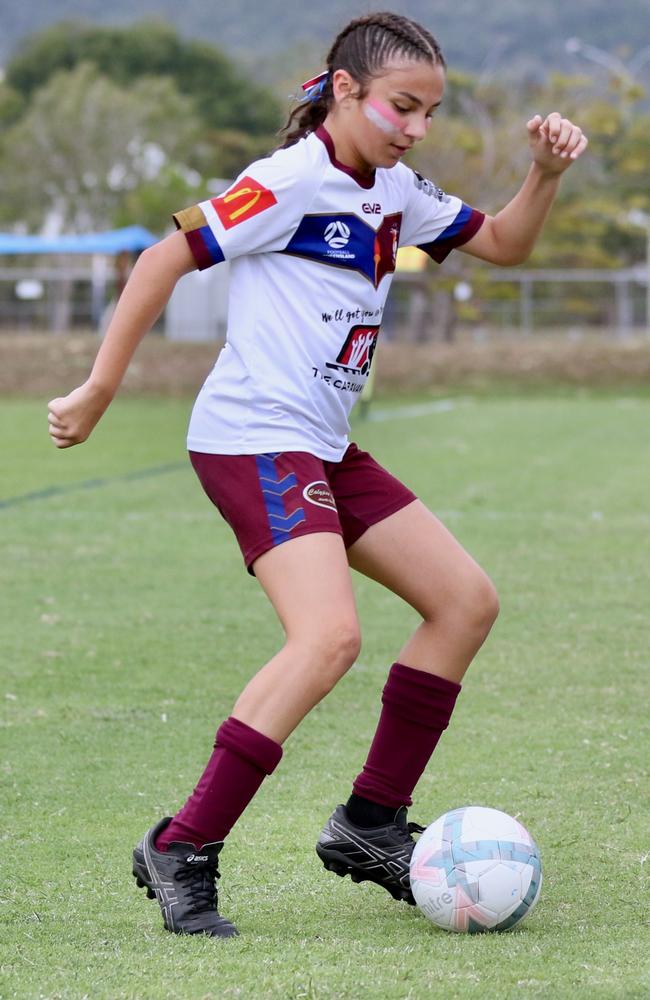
{"points": [[414, 555], [308, 583]]}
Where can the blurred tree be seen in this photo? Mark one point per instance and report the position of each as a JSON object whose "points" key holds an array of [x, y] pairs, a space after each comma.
{"points": [[12, 105], [477, 145], [84, 144], [225, 152], [478, 148], [591, 217], [223, 97]]}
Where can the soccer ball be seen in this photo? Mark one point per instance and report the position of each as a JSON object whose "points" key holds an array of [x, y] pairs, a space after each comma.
{"points": [[476, 869]]}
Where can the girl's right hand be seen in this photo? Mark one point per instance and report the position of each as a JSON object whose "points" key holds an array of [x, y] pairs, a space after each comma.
{"points": [[71, 418]]}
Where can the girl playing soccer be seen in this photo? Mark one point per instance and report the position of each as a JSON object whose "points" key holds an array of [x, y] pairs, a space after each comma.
{"points": [[312, 235]]}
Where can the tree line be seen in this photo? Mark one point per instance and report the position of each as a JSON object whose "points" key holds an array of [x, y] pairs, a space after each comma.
{"points": [[104, 126], [110, 126]]}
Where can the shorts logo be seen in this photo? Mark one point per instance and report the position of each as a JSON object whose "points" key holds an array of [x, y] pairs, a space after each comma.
{"points": [[242, 202], [319, 494], [355, 357], [337, 235]]}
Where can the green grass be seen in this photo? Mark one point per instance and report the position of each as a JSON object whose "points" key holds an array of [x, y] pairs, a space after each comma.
{"points": [[129, 627]]}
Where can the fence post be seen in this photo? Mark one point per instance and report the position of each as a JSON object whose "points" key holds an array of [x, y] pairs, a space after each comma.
{"points": [[526, 305], [99, 281], [647, 282], [623, 307]]}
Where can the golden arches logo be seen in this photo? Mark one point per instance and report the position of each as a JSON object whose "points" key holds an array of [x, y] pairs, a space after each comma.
{"points": [[246, 199], [235, 195]]}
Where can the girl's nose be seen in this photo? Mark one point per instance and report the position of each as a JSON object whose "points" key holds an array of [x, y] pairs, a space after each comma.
{"points": [[416, 127]]}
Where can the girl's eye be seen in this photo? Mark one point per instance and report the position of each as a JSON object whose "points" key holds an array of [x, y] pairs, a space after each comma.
{"points": [[402, 111]]}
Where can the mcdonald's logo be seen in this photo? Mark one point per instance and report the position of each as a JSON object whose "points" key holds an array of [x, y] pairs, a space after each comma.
{"points": [[247, 198]]}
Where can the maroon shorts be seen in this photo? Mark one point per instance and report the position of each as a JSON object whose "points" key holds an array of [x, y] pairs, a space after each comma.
{"points": [[269, 499]]}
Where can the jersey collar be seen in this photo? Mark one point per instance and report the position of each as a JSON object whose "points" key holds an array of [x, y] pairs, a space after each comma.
{"points": [[363, 180]]}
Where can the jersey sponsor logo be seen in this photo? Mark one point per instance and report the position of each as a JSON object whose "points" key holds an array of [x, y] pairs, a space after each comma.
{"points": [[350, 242], [342, 384], [430, 189], [355, 357], [319, 494], [245, 200], [337, 235], [371, 209]]}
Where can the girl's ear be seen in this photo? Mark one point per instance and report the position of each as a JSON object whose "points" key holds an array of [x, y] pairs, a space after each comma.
{"points": [[343, 86]]}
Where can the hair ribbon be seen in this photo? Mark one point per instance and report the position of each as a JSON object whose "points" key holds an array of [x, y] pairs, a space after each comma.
{"points": [[314, 88]]}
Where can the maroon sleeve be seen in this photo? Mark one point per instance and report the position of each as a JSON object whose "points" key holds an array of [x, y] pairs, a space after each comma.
{"points": [[467, 224]]}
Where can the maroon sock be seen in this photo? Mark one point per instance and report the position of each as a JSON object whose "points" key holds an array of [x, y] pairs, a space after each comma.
{"points": [[416, 708], [241, 759]]}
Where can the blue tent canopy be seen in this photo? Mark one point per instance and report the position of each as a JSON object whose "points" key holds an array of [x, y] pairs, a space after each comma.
{"points": [[132, 239]]}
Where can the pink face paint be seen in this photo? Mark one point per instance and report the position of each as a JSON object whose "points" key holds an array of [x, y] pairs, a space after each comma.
{"points": [[383, 116]]}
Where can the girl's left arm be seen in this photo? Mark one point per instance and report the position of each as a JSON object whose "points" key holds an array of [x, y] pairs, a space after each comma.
{"points": [[508, 237]]}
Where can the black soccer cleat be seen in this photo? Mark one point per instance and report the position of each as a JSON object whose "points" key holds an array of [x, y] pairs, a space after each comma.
{"points": [[184, 882], [380, 854]]}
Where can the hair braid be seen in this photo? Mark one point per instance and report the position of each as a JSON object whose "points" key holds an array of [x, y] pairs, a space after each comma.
{"points": [[363, 48]]}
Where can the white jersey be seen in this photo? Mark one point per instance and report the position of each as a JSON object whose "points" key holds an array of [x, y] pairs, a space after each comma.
{"points": [[312, 246]]}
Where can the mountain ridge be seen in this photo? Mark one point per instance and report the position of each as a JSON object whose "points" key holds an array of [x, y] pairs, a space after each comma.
{"points": [[507, 37]]}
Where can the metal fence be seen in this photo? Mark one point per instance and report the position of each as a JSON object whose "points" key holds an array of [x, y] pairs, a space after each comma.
{"points": [[54, 297], [64, 297]]}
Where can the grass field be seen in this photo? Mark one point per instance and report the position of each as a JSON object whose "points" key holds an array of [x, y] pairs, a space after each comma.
{"points": [[129, 627]]}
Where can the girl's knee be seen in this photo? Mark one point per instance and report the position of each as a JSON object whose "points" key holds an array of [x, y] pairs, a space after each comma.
{"points": [[340, 645], [478, 606], [473, 603], [485, 602], [329, 650]]}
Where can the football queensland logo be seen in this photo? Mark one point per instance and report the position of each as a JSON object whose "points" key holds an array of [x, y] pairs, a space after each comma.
{"points": [[355, 356], [337, 235], [246, 199]]}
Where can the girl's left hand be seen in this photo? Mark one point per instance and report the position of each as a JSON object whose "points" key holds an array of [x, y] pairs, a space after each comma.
{"points": [[555, 142]]}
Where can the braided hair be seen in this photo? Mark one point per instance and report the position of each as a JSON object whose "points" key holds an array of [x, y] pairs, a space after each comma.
{"points": [[363, 48]]}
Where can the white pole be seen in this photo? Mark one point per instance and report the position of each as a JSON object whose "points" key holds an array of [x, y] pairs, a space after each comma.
{"points": [[647, 281], [642, 219]]}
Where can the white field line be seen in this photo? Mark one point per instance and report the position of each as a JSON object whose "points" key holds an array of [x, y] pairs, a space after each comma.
{"points": [[415, 410], [590, 517]]}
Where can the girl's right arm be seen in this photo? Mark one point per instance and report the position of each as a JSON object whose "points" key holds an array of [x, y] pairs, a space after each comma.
{"points": [[72, 417]]}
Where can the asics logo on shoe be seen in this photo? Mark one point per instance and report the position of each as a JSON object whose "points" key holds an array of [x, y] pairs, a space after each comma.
{"points": [[197, 857], [375, 854]]}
